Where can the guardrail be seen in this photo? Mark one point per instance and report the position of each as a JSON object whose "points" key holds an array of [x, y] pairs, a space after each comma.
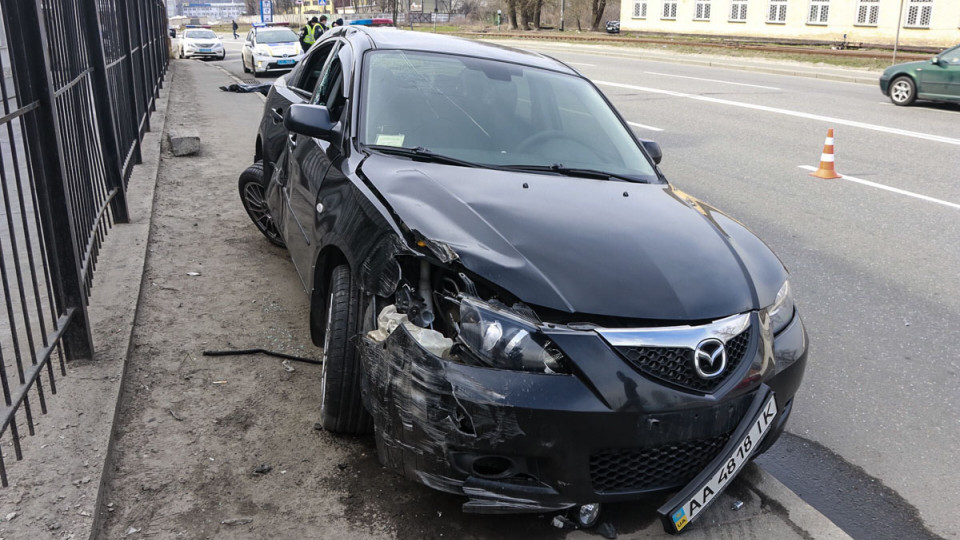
{"points": [[80, 79]]}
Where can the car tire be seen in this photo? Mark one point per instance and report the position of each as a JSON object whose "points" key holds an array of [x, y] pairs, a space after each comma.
{"points": [[903, 91], [224, 55], [253, 190], [244, 64], [341, 404]]}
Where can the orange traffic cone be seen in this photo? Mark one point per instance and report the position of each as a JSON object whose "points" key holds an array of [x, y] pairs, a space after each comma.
{"points": [[826, 159]]}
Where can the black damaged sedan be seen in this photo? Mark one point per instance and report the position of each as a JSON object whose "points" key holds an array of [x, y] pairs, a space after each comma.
{"points": [[509, 294]]}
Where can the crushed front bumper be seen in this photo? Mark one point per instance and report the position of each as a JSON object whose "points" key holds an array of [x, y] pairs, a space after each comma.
{"points": [[515, 441]]}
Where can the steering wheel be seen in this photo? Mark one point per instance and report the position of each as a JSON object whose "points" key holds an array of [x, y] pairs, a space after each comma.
{"points": [[553, 135]]}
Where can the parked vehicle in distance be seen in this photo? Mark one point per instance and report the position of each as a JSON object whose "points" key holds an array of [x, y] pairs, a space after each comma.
{"points": [[200, 42], [508, 292], [613, 27], [270, 46], [937, 79]]}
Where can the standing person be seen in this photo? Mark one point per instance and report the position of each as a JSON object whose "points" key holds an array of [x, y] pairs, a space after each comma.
{"points": [[336, 23], [308, 34], [323, 25], [235, 27]]}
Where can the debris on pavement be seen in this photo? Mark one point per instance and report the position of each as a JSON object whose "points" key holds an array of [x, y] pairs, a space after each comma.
{"points": [[174, 415], [287, 366], [244, 88], [236, 521], [10, 516], [131, 530], [184, 142], [193, 274], [262, 469], [737, 505], [240, 352], [607, 530], [563, 522]]}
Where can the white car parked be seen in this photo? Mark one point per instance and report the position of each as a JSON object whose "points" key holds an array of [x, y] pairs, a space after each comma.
{"points": [[198, 41], [270, 47]]}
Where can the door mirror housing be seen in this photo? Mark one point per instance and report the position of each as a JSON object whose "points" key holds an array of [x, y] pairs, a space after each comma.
{"points": [[309, 120], [653, 149], [935, 60]]}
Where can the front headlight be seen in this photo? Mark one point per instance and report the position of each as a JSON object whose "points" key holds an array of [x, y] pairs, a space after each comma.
{"points": [[506, 340], [781, 312], [261, 50]]}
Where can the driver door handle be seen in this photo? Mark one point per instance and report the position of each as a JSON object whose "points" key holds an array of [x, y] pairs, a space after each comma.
{"points": [[277, 115], [292, 138]]}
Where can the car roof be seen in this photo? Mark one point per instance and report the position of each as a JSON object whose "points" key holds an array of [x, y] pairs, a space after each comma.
{"points": [[392, 38]]}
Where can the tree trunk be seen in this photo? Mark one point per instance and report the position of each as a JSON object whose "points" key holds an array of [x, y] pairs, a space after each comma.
{"points": [[598, 7], [538, 9], [512, 13]]}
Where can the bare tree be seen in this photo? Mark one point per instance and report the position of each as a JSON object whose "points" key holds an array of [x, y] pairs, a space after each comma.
{"points": [[597, 9]]}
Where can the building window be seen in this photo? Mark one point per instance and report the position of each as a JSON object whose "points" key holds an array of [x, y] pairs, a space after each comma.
{"points": [[669, 9], [639, 9], [868, 12], [778, 11], [702, 12], [918, 13], [819, 11], [738, 10]]}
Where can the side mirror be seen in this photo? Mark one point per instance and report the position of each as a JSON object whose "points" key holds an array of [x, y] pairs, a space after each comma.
{"points": [[935, 60], [309, 120], [653, 149]]}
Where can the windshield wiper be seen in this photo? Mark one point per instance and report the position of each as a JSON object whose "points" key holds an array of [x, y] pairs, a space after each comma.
{"points": [[572, 171], [420, 153]]}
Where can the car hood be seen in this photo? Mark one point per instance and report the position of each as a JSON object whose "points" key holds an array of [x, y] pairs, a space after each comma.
{"points": [[906, 66], [585, 246]]}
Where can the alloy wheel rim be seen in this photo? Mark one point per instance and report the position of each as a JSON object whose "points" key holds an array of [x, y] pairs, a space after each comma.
{"points": [[257, 208], [901, 91]]}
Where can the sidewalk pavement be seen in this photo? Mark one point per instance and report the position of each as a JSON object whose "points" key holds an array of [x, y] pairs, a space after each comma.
{"points": [[187, 431], [762, 65]]}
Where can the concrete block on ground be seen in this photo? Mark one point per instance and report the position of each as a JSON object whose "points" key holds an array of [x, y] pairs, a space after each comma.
{"points": [[184, 142]]}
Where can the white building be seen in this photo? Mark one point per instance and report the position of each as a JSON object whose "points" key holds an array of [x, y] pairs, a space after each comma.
{"points": [[214, 10]]}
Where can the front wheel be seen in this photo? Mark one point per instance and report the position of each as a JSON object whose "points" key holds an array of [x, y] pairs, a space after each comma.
{"points": [[253, 191], [903, 91], [341, 406]]}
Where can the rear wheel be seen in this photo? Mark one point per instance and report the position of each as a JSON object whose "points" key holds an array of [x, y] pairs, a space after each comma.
{"points": [[903, 91], [341, 406], [244, 63], [253, 190]]}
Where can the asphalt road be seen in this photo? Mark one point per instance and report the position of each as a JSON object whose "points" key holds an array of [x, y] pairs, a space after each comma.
{"points": [[875, 271]]}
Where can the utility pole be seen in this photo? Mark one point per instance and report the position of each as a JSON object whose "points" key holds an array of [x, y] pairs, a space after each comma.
{"points": [[562, 2], [896, 44]]}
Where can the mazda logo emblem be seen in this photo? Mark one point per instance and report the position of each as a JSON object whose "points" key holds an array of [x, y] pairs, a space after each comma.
{"points": [[710, 358]]}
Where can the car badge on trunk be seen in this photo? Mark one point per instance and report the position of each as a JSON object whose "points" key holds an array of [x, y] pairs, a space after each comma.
{"points": [[710, 358]]}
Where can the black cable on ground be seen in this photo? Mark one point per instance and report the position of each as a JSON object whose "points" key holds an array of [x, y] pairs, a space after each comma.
{"points": [[266, 352]]}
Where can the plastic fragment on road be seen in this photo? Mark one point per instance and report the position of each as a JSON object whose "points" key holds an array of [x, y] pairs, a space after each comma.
{"points": [[431, 340]]}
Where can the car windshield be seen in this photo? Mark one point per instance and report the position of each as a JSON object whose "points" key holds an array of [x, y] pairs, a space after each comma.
{"points": [[276, 35], [199, 34], [494, 113]]}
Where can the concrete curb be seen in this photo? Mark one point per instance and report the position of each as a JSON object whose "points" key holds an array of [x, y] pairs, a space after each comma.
{"points": [[828, 73], [143, 180], [798, 513]]}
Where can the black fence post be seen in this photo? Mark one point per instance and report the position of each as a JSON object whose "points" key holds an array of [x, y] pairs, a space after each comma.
{"points": [[109, 135], [126, 41], [145, 74], [35, 81]]}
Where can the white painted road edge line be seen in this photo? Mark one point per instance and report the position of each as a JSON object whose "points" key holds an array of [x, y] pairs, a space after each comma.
{"points": [[787, 112], [644, 126], [580, 64], [888, 188], [710, 80]]}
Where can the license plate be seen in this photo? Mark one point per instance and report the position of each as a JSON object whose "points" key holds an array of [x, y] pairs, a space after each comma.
{"points": [[206, 50], [285, 62], [694, 499]]}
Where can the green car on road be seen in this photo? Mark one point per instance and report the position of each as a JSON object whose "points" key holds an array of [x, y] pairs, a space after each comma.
{"points": [[937, 79]]}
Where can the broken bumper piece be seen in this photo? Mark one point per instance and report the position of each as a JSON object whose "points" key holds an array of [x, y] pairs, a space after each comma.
{"points": [[513, 441]]}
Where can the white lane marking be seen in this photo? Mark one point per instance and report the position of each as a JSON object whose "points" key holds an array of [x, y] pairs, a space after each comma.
{"points": [[581, 64], [787, 112], [889, 188], [710, 80], [644, 126]]}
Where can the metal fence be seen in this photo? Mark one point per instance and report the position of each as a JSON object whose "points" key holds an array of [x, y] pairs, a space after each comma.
{"points": [[80, 78]]}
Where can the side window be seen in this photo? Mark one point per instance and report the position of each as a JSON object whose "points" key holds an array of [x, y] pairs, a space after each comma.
{"points": [[329, 90], [315, 63], [250, 36]]}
